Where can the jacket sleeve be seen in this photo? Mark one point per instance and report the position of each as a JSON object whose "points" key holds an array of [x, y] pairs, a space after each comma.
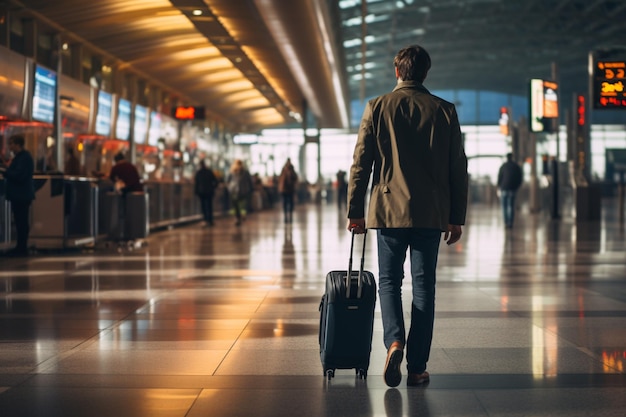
{"points": [[362, 162], [458, 174]]}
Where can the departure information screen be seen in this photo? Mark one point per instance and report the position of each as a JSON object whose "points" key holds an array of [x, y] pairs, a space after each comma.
{"points": [[122, 127], [103, 116], [154, 133], [44, 95], [609, 82], [141, 124]]}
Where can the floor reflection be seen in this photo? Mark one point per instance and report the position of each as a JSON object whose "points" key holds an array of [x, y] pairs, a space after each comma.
{"points": [[224, 321]]}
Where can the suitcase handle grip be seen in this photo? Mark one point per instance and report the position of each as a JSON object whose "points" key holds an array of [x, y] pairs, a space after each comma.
{"points": [[349, 276]]}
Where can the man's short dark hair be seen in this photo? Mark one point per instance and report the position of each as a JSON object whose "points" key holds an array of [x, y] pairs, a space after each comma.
{"points": [[413, 63], [18, 140], [118, 157]]}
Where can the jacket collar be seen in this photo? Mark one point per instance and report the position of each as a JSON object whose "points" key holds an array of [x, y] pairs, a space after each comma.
{"points": [[414, 85]]}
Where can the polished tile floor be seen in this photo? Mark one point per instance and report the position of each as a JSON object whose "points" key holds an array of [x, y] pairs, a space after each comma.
{"points": [[223, 321]]}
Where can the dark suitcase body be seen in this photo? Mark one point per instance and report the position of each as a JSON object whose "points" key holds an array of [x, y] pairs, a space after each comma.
{"points": [[347, 320]]}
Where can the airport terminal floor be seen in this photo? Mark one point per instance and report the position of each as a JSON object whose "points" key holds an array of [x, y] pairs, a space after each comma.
{"points": [[223, 321]]}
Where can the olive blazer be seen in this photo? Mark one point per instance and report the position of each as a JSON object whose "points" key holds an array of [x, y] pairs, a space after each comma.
{"points": [[412, 141]]}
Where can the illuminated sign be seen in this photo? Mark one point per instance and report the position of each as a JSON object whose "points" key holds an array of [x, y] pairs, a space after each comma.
{"points": [[245, 139], [550, 100], [544, 105], [609, 82], [504, 121], [188, 113]]}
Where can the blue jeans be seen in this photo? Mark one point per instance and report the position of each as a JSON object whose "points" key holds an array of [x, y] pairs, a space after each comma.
{"points": [[424, 250], [508, 206], [288, 206], [206, 203]]}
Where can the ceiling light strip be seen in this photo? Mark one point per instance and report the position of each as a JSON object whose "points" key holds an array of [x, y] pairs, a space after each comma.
{"points": [[200, 15]]}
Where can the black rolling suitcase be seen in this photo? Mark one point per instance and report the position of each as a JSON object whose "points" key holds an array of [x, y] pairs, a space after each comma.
{"points": [[347, 319]]}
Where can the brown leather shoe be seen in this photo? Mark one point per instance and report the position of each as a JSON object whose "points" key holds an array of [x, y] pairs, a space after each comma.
{"points": [[417, 379], [392, 374]]}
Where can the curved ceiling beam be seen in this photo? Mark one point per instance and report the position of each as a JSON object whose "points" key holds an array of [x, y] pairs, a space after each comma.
{"points": [[303, 33]]}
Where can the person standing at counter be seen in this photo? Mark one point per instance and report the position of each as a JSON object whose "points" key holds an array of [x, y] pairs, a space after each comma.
{"points": [[124, 175], [20, 191], [204, 187], [72, 164]]}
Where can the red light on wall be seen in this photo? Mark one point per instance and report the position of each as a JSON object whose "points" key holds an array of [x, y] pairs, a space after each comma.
{"points": [[581, 110]]}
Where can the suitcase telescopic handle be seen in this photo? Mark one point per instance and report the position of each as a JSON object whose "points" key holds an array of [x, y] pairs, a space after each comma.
{"points": [[349, 276]]}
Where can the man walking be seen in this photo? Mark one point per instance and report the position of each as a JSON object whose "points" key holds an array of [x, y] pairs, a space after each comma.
{"points": [[204, 187], [412, 141], [509, 181]]}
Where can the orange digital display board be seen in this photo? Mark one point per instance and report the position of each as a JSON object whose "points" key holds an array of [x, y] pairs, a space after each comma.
{"points": [[609, 84], [188, 113]]}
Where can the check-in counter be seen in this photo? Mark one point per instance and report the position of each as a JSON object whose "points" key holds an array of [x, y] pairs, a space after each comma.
{"points": [[64, 212], [171, 203], [126, 215], [103, 217], [5, 217]]}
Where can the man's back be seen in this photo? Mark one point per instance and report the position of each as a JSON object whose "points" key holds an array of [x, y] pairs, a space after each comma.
{"points": [[205, 181], [510, 176], [420, 170]]}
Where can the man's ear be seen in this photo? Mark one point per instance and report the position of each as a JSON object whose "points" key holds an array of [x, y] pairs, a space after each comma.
{"points": [[397, 73]]}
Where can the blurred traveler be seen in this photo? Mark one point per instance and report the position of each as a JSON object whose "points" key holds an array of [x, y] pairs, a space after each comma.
{"points": [[204, 187], [239, 184], [419, 191], [509, 181], [287, 183], [342, 189], [20, 191], [124, 175], [72, 165]]}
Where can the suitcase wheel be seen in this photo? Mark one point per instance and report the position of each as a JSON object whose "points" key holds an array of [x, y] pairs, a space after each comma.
{"points": [[361, 373], [330, 373]]}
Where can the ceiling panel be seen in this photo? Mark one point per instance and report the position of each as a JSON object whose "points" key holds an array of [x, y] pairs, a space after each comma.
{"points": [[226, 58], [480, 44], [253, 62]]}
